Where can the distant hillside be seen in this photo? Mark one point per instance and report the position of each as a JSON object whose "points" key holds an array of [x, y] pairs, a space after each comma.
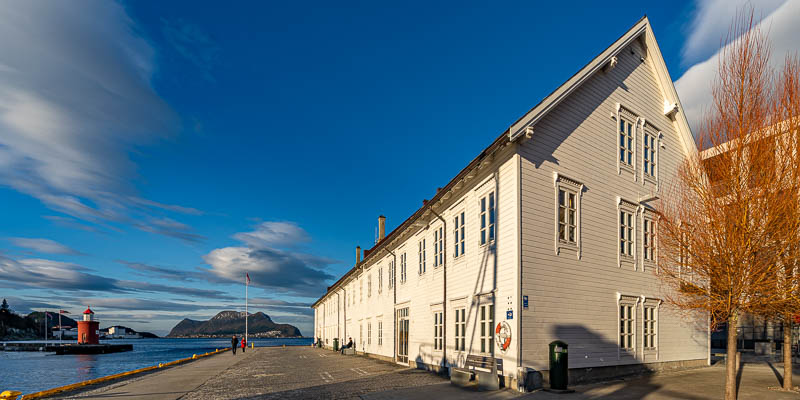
{"points": [[228, 323], [17, 327]]}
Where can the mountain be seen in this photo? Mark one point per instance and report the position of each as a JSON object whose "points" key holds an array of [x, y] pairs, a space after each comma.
{"points": [[17, 327], [228, 323]]}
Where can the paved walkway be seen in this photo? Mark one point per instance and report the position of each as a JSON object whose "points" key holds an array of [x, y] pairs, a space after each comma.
{"points": [[170, 384], [309, 373]]}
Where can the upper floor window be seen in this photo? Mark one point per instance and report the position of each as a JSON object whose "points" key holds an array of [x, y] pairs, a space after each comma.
{"points": [[458, 234], [625, 142], [380, 280], [438, 247], [391, 273], [625, 233], [487, 218], [567, 214], [421, 246], [649, 239], [360, 291], [649, 155], [403, 268], [369, 285]]}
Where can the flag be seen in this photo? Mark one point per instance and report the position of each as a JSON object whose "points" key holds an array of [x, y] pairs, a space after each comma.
{"points": [[48, 315], [63, 312], [248, 277]]}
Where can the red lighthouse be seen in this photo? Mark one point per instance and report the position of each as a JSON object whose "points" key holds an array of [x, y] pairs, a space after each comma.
{"points": [[87, 329]]}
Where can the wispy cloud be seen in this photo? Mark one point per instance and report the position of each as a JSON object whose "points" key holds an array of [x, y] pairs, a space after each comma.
{"points": [[694, 87], [71, 151], [193, 44], [271, 261], [163, 272], [46, 246]]}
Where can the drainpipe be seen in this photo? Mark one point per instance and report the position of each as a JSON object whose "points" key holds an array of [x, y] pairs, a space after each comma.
{"points": [[338, 317], [444, 284], [394, 305]]}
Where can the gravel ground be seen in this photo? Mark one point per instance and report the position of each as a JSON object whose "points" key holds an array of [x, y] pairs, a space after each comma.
{"points": [[309, 373]]}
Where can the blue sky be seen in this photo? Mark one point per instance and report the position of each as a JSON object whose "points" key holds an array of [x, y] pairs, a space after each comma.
{"points": [[151, 152]]}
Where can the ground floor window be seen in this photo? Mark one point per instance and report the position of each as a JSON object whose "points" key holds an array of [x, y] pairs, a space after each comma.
{"points": [[461, 327], [437, 330], [649, 328], [369, 333], [380, 333], [626, 326], [486, 326]]}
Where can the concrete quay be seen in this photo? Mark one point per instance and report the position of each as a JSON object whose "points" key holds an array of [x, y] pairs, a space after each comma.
{"points": [[310, 373]]}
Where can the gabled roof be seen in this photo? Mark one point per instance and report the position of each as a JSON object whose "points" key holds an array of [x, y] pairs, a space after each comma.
{"points": [[641, 31]]}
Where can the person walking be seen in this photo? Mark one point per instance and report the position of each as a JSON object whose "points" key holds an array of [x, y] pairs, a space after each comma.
{"points": [[244, 344], [234, 343]]}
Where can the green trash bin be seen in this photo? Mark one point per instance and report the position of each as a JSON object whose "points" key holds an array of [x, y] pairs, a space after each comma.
{"points": [[335, 344], [559, 365]]}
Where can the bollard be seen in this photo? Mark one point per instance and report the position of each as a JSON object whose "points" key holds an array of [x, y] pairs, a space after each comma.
{"points": [[284, 346], [252, 345], [10, 395], [194, 356], [160, 365]]}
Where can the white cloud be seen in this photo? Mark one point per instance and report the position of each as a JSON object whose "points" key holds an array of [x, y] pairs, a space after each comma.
{"points": [[271, 262], [75, 100], [694, 87], [711, 22], [43, 246]]}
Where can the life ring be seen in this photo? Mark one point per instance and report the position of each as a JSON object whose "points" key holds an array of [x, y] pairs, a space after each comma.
{"points": [[503, 335]]}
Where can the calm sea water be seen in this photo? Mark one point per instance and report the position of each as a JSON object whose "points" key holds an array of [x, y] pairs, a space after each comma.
{"points": [[30, 372]]}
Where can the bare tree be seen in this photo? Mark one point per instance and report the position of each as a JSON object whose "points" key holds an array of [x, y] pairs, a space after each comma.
{"points": [[721, 218]]}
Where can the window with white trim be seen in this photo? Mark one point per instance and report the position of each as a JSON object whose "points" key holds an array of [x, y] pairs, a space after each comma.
{"points": [[649, 327], [403, 268], [421, 256], [649, 154], [438, 333], [391, 273], [458, 235], [487, 218], [649, 239], [626, 326], [625, 232], [625, 142], [461, 328], [486, 327], [360, 291], [567, 214], [369, 285], [438, 247], [380, 280], [380, 332], [369, 333]]}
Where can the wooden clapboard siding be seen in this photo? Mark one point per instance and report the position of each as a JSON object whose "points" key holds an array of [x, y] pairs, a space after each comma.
{"points": [[576, 300]]}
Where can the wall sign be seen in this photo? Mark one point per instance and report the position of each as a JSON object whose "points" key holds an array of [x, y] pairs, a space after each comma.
{"points": [[510, 314], [525, 302]]}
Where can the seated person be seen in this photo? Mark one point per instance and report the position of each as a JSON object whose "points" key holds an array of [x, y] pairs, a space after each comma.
{"points": [[349, 345]]}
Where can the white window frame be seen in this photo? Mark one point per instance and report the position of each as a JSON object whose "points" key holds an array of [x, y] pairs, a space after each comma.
{"points": [[438, 247], [651, 142], [369, 285], [654, 305], [649, 239], [438, 330], [624, 330], [458, 235], [486, 326], [360, 290], [487, 204], [632, 121], [421, 247], [568, 185], [460, 328], [630, 237], [380, 279], [369, 333], [403, 259], [391, 273], [380, 332]]}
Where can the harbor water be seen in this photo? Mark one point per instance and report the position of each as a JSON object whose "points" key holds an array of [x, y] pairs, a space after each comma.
{"points": [[30, 372]]}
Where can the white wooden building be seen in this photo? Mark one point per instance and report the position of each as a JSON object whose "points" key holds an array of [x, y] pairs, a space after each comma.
{"points": [[547, 235]]}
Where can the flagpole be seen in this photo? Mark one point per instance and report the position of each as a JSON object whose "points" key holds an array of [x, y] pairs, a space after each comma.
{"points": [[60, 327], [246, 285]]}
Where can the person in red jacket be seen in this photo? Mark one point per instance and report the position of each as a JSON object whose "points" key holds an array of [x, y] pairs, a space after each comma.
{"points": [[244, 344]]}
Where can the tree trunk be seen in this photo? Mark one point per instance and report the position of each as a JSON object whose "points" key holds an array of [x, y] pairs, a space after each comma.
{"points": [[731, 362], [787, 353]]}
